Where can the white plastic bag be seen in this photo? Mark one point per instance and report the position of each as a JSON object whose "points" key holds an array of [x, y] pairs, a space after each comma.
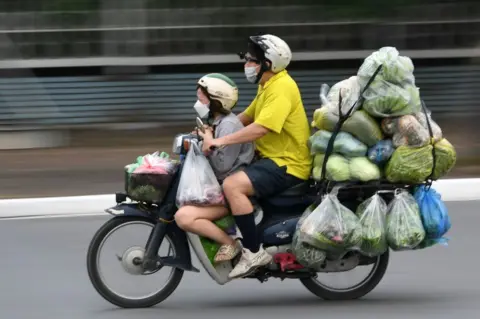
{"points": [[198, 185], [373, 229], [404, 225], [350, 90], [331, 226]]}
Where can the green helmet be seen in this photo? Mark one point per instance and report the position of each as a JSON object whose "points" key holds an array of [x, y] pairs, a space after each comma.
{"points": [[220, 88]]}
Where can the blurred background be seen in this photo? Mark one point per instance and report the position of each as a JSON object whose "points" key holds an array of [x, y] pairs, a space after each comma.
{"points": [[88, 85]]}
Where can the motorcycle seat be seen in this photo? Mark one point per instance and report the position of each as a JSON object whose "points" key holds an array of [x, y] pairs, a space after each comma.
{"points": [[297, 190]]}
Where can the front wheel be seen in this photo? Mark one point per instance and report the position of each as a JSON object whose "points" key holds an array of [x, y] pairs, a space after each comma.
{"points": [[128, 261], [373, 278]]}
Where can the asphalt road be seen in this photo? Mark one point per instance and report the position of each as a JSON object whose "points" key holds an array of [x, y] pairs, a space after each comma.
{"points": [[44, 276]]}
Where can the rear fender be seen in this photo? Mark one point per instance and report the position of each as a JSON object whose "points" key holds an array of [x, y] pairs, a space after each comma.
{"points": [[183, 259]]}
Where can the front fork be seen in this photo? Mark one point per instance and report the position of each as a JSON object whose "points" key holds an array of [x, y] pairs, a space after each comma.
{"points": [[151, 260]]}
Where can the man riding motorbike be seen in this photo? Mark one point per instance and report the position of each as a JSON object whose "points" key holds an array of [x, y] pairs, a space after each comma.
{"points": [[217, 95], [277, 122]]}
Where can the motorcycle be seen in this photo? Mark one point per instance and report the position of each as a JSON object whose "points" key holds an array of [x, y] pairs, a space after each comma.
{"points": [[276, 219]]}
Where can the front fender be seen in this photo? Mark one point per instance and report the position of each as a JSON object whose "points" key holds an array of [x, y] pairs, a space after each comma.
{"points": [[129, 209]]}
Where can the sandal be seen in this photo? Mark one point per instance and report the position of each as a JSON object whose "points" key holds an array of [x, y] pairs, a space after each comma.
{"points": [[227, 252]]}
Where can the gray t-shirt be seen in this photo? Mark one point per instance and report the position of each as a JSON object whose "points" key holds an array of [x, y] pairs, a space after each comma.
{"points": [[231, 158]]}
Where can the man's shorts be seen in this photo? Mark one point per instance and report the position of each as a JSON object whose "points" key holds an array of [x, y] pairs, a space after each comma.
{"points": [[269, 179]]}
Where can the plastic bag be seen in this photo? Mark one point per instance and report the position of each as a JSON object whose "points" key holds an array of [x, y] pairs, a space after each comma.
{"points": [[373, 226], [381, 152], [411, 130], [307, 255], [414, 165], [330, 226], [198, 185], [384, 99], [360, 124], [344, 144], [350, 90], [396, 69], [433, 212], [156, 164], [404, 226]]}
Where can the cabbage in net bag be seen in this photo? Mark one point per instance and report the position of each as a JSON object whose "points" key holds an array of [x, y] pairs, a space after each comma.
{"points": [[384, 99], [198, 185], [396, 69], [360, 124], [373, 226], [330, 226], [404, 226], [344, 144]]}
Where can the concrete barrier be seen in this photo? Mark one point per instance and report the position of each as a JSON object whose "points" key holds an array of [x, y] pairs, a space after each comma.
{"points": [[451, 189]]}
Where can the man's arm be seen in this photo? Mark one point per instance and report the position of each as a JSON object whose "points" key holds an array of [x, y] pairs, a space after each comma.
{"points": [[245, 119], [247, 134]]}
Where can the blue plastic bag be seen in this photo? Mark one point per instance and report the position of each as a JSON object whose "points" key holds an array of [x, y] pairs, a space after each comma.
{"points": [[381, 152], [434, 214]]}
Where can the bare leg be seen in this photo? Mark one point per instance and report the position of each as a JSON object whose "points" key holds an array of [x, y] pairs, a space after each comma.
{"points": [[198, 220], [237, 188]]}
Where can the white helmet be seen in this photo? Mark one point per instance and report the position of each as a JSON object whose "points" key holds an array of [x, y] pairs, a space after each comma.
{"points": [[275, 50], [220, 88]]}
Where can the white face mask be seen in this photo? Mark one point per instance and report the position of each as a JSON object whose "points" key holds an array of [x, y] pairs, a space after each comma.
{"points": [[251, 73], [202, 109]]}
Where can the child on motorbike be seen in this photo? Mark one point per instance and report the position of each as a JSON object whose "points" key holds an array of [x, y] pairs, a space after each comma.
{"points": [[217, 95]]}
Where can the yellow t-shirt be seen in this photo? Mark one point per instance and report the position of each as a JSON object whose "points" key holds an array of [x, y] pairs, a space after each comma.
{"points": [[278, 106]]}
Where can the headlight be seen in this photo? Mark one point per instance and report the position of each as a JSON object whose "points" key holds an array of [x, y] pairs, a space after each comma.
{"points": [[177, 144]]}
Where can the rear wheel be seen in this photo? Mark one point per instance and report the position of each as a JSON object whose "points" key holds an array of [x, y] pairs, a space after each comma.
{"points": [[128, 261], [327, 292]]}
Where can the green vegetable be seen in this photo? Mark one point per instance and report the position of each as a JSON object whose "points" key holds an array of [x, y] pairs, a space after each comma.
{"points": [[360, 124], [404, 225], [383, 99], [414, 165], [372, 229], [307, 255], [363, 170], [396, 69], [446, 158], [337, 168], [344, 144]]}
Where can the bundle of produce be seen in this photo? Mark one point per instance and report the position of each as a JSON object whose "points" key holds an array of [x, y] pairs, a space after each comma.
{"points": [[198, 184], [330, 226], [360, 124], [344, 144], [372, 229], [393, 91], [434, 215], [381, 152], [341, 169], [411, 130], [149, 178], [414, 164], [348, 89], [307, 255], [404, 226]]}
